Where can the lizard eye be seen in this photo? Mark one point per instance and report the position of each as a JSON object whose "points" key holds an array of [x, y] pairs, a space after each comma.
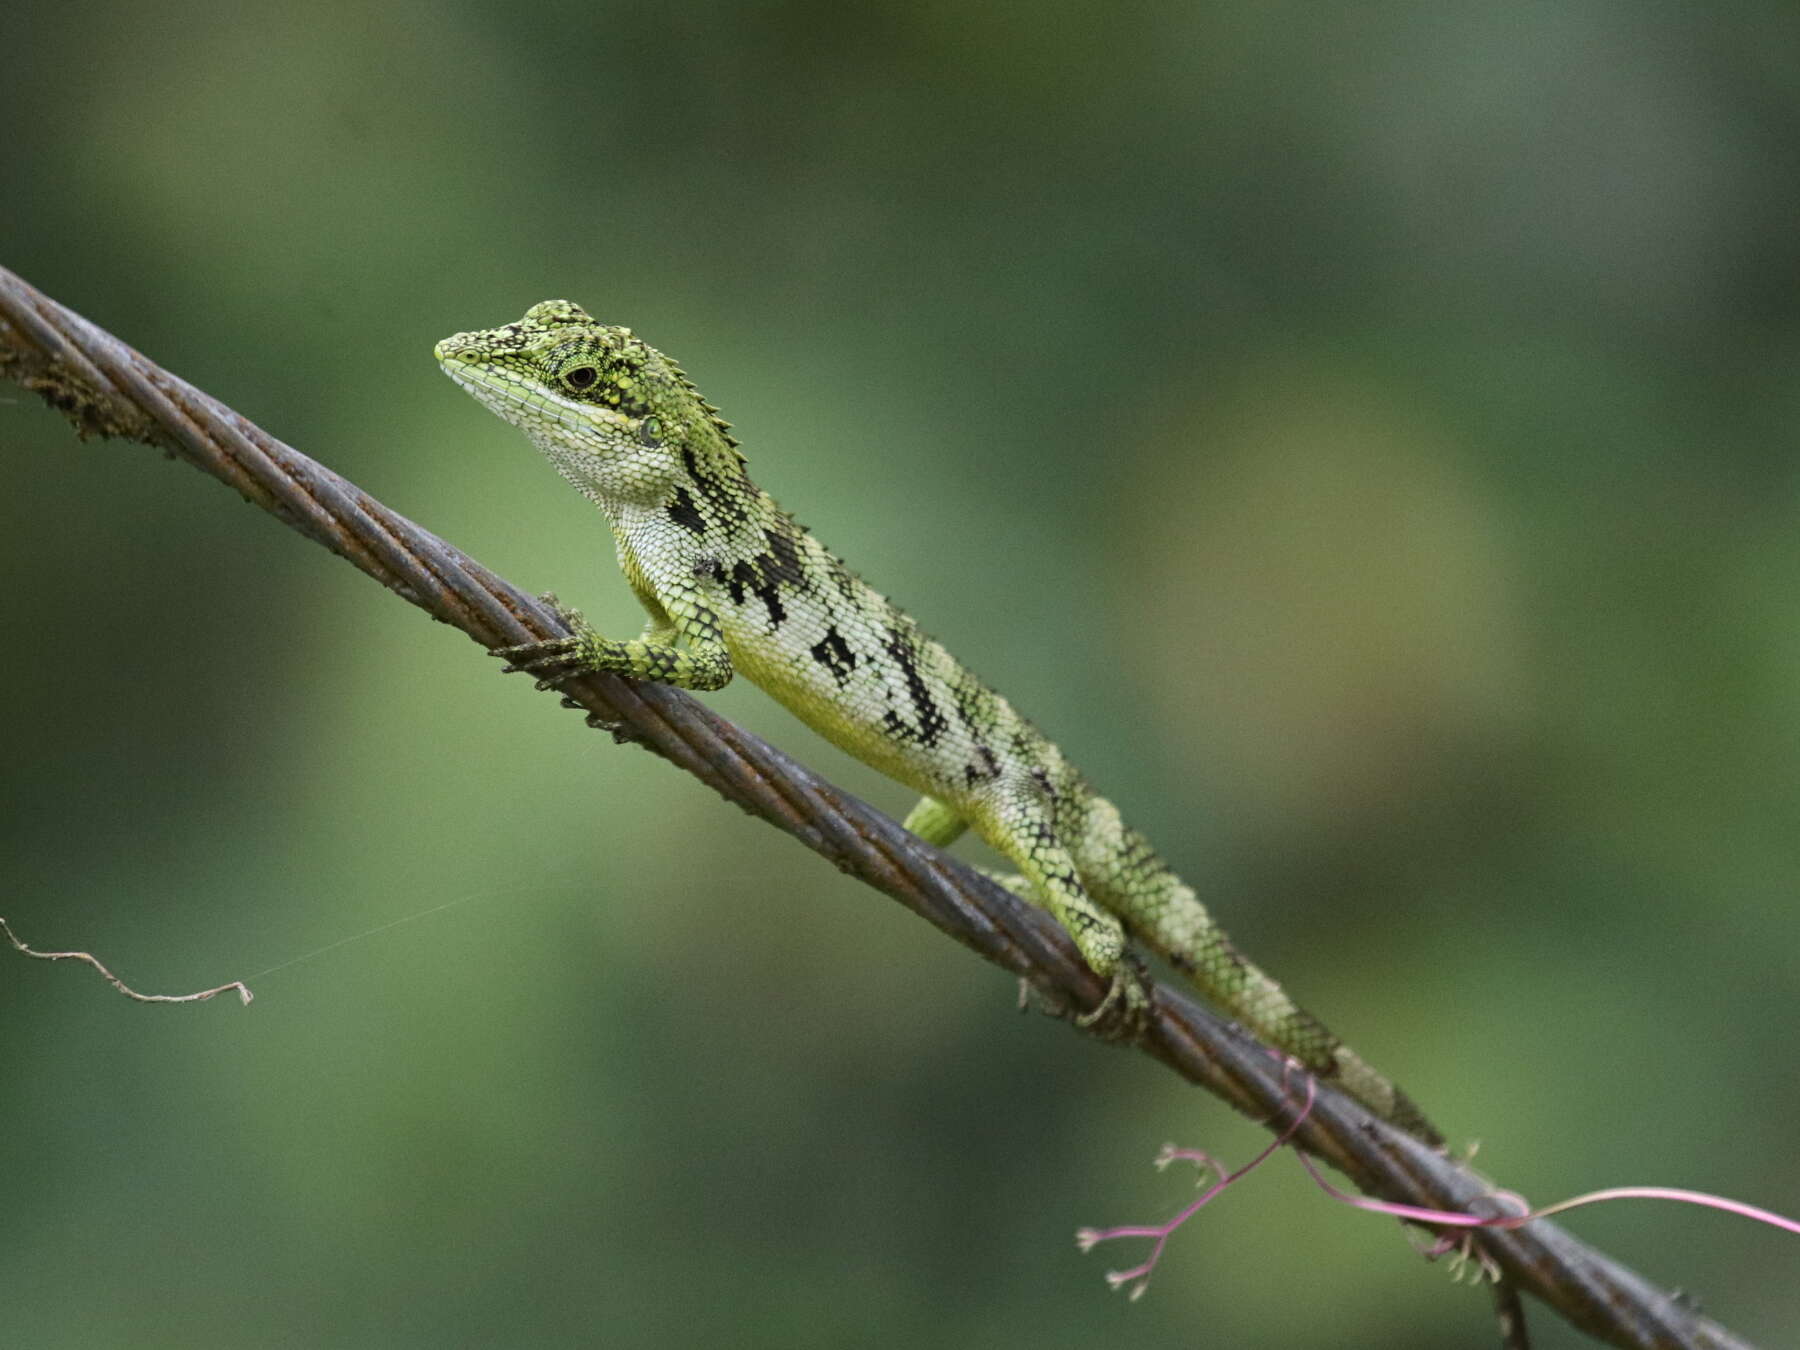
{"points": [[582, 377]]}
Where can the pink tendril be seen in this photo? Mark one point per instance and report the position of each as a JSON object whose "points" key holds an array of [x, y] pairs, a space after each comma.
{"points": [[1455, 1219], [1138, 1277]]}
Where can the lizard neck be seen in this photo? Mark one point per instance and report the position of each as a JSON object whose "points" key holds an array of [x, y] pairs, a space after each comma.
{"points": [[711, 498], [707, 519]]}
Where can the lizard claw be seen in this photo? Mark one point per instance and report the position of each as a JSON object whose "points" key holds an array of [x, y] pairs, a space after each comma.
{"points": [[1123, 1016], [550, 660]]}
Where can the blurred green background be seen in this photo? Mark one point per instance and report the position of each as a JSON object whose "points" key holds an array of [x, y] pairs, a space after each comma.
{"points": [[1363, 435]]}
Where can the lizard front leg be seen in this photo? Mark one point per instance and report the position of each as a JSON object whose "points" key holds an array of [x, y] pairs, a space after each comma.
{"points": [[702, 663]]}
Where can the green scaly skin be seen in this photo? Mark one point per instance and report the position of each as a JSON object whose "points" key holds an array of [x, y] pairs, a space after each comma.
{"points": [[733, 585]]}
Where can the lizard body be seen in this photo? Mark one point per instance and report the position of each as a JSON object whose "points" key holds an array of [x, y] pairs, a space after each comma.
{"points": [[733, 584]]}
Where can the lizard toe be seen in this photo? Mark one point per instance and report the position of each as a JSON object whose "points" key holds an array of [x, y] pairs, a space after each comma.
{"points": [[1123, 1016]]}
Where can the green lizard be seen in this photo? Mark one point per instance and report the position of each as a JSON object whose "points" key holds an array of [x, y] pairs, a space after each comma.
{"points": [[733, 584]]}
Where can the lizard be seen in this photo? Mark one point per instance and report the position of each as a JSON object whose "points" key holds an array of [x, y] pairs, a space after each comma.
{"points": [[732, 584]]}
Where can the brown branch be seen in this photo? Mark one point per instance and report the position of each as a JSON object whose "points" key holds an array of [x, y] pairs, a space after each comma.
{"points": [[106, 388]]}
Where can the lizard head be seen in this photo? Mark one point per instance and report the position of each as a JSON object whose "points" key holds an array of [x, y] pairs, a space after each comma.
{"points": [[611, 412]]}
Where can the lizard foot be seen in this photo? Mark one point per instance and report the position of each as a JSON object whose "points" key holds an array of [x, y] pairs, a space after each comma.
{"points": [[551, 660], [1121, 1018]]}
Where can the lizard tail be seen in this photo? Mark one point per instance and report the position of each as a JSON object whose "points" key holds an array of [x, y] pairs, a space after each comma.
{"points": [[1354, 1074], [1164, 912]]}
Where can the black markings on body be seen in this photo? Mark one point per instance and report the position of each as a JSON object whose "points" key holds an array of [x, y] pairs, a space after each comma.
{"points": [[848, 584], [932, 724], [728, 502], [968, 696], [685, 514], [984, 768], [748, 579], [835, 655], [767, 574], [1025, 740], [782, 562]]}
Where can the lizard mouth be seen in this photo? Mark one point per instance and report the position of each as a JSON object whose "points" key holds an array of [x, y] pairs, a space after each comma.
{"points": [[525, 403]]}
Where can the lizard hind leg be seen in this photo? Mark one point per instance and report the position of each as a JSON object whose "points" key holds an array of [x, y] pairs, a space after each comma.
{"points": [[1162, 910], [939, 823], [1022, 827]]}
